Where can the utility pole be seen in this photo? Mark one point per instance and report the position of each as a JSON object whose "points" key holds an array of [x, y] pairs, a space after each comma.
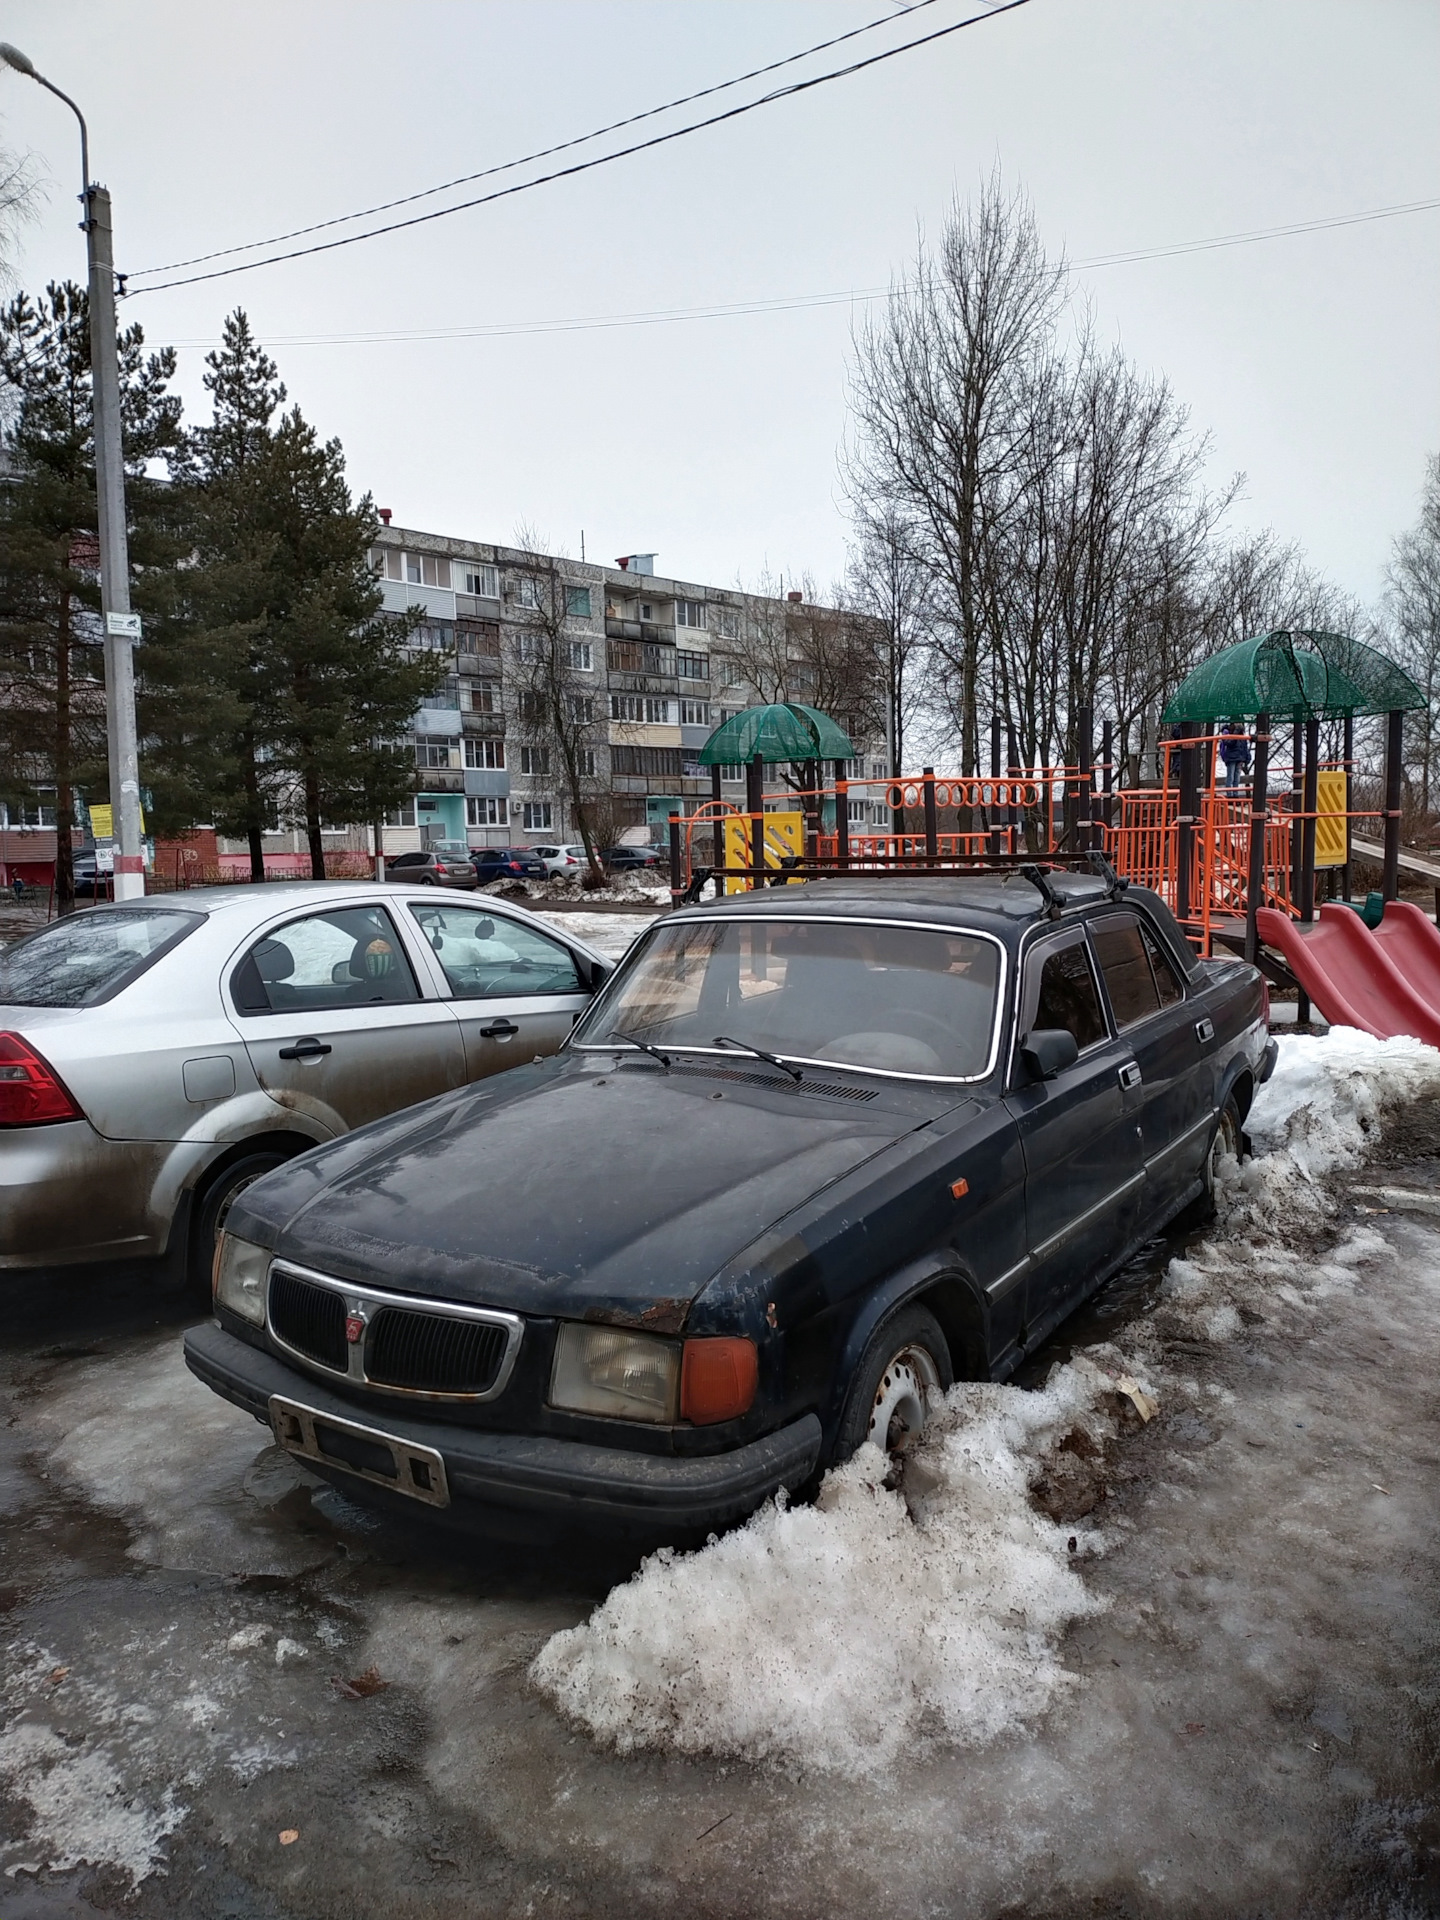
{"points": [[122, 627]]}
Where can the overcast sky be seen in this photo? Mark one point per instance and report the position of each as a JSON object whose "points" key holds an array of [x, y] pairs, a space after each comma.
{"points": [[1132, 124]]}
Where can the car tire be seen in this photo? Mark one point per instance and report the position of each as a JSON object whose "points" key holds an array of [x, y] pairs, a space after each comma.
{"points": [[214, 1204], [906, 1361], [1228, 1138], [428, 880]]}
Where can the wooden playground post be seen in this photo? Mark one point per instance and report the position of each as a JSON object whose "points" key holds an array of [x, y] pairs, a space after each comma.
{"points": [[755, 807], [1259, 784], [1084, 778], [1185, 825], [1107, 776], [932, 837], [995, 811], [1394, 746], [1311, 799], [842, 817], [1349, 763], [1297, 803], [677, 881], [1012, 750], [717, 857]]}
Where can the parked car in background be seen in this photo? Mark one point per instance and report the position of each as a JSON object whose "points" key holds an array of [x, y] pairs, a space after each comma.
{"points": [[446, 863], [562, 863], [806, 1159], [630, 859], [507, 863], [158, 1055]]}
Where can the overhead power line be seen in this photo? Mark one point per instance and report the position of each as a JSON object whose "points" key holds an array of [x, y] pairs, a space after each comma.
{"points": [[541, 153], [739, 309], [600, 160]]}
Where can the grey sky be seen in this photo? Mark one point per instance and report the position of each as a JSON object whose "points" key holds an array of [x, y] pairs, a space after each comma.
{"points": [[1313, 359]]}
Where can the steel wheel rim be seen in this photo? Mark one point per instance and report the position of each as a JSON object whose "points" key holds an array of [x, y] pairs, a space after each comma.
{"points": [[897, 1414]]}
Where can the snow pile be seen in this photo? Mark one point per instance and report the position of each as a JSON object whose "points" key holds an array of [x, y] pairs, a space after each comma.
{"points": [[839, 1636], [844, 1635], [608, 933]]}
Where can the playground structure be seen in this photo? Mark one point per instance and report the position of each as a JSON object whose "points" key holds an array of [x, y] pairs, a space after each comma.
{"points": [[1243, 863]]}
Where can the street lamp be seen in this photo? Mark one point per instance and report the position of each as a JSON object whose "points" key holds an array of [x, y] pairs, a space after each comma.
{"points": [[122, 627]]}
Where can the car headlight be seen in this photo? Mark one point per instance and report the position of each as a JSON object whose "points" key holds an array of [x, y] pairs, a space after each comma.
{"points": [[240, 1270], [629, 1376]]}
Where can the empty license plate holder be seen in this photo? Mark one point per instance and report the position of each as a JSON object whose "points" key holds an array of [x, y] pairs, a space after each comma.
{"points": [[384, 1459]]}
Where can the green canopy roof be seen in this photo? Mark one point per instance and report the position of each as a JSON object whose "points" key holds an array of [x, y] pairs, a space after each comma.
{"points": [[788, 732], [1292, 676]]}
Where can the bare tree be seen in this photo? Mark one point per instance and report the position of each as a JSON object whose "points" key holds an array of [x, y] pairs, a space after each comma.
{"points": [[20, 195], [1413, 602], [887, 580], [559, 713]]}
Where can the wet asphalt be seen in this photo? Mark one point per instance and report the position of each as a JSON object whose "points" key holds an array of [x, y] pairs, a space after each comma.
{"points": [[1258, 1732]]}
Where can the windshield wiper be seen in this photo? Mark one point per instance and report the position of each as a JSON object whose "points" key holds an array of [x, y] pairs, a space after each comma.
{"points": [[724, 1040], [644, 1045]]}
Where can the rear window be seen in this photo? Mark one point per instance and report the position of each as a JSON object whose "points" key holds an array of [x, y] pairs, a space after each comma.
{"points": [[409, 859], [89, 957]]}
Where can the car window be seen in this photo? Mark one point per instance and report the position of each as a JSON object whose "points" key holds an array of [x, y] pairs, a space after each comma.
{"points": [[1126, 967], [890, 998], [484, 954], [88, 957], [1167, 981], [409, 860], [351, 957], [1067, 996]]}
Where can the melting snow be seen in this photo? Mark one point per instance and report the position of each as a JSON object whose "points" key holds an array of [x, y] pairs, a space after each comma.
{"points": [[839, 1636]]}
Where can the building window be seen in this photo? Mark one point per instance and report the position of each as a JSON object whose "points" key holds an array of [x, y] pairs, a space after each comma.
{"points": [[527, 648], [484, 697], [585, 763], [483, 811], [482, 582], [694, 713], [529, 705], [577, 602], [434, 636], [582, 654], [692, 666], [726, 622], [478, 636], [646, 762], [434, 750], [536, 815], [732, 773], [582, 709], [534, 760], [641, 708], [689, 613], [527, 592], [426, 570], [489, 754], [402, 816], [647, 610]]}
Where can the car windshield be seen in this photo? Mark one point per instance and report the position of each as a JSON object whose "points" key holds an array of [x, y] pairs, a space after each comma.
{"points": [[88, 957], [886, 998]]}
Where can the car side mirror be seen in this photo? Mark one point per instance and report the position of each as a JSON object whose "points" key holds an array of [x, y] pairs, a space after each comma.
{"points": [[484, 929], [596, 972], [1048, 1051]]}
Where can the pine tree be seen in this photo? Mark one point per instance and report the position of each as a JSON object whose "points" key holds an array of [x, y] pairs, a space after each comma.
{"points": [[52, 714]]}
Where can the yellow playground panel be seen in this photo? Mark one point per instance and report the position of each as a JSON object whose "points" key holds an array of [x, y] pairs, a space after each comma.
{"points": [[784, 836], [1330, 819]]}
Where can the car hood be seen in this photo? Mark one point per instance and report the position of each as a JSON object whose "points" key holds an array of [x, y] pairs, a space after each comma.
{"points": [[569, 1191]]}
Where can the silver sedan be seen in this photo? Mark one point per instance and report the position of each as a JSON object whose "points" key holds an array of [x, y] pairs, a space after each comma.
{"points": [[158, 1055]]}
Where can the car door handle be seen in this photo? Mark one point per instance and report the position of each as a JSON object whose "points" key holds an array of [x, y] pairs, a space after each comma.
{"points": [[310, 1049], [1130, 1074], [1204, 1031], [499, 1030]]}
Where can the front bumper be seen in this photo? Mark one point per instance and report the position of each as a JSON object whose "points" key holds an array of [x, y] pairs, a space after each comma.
{"points": [[563, 1482]]}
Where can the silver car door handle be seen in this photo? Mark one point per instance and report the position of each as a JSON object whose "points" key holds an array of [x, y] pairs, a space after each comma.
{"points": [[1130, 1074], [1204, 1031], [304, 1050], [499, 1030]]}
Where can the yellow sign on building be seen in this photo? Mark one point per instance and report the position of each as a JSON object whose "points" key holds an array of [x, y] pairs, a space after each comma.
{"points": [[784, 835], [1330, 819]]}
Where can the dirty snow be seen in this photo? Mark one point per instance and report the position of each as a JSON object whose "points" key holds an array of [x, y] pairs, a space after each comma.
{"points": [[836, 1637], [608, 933]]}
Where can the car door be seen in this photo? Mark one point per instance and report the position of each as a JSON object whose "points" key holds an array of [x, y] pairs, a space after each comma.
{"points": [[334, 1019], [515, 991], [1149, 1007], [1079, 1132]]}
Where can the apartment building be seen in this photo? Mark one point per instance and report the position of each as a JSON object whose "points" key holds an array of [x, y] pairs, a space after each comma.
{"points": [[655, 664]]}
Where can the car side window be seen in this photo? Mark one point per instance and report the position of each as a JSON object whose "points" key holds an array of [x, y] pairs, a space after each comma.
{"points": [[351, 957], [484, 954], [1067, 997], [1125, 964], [1167, 981]]}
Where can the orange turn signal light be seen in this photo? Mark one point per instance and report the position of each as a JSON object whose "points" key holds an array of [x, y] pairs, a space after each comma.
{"points": [[717, 1379]]}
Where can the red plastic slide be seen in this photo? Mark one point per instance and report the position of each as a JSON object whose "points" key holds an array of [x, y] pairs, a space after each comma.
{"points": [[1353, 979], [1412, 941]]}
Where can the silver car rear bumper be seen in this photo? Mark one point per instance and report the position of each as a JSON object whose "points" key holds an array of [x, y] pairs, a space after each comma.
{"points": [[68, 1195]]}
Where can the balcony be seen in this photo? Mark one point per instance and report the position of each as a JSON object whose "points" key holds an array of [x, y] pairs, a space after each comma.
{"points": [[439, 780]]}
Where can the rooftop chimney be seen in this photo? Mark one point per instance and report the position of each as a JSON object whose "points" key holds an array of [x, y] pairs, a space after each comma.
{"points": [[636, 562], [795, 599], [384, 513]]}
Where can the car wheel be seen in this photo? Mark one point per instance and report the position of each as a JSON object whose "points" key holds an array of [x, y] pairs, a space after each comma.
{"points": [[1226, 1139], [428, 880], [905, 1365], [215, 1205]]}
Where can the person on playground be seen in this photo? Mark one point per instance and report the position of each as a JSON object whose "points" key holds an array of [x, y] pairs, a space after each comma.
{"points": [[1234, 751]]}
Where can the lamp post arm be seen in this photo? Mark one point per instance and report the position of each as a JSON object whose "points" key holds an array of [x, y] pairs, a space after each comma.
{"points": [[84, 144]]}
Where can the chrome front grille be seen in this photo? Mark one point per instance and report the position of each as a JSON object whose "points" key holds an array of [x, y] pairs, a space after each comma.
{"points": [[392, 1343]]}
